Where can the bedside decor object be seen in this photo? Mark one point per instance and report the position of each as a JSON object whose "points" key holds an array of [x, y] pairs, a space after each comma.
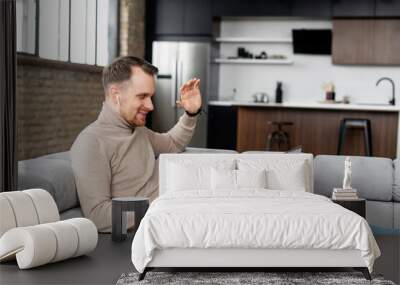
{"points": [[347, 192], [120, 206], [347, 174]]}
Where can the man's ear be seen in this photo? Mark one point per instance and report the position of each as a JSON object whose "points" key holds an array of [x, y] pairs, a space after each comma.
{"points": [[114, 92]]}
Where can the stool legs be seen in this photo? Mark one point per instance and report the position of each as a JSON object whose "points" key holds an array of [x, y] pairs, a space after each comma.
{"points": [[364, 125], [279, 138], [342, 135], [368, 139]]}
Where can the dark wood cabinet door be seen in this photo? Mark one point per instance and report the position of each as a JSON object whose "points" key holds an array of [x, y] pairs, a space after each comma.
{"points": [[317, 131], [387, 8], [197, 19], [366, 41], [222, 124], [169, 17], [311, 8], [353, 8]]}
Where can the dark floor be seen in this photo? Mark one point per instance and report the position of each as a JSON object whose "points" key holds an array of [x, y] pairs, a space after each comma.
{"points": [[102, 266], [111, 259]]}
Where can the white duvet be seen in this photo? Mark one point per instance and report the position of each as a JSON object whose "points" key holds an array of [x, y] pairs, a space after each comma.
{"points": [[250, 219]]}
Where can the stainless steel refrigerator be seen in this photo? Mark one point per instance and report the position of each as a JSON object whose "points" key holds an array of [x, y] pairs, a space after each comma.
{"points": [[178, 62]]}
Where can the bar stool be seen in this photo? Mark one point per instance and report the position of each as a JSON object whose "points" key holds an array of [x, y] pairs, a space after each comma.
{"points": [[279, 137], [352, 123]]}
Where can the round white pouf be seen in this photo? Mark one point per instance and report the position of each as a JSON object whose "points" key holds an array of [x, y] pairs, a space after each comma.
{"points": [[40, 244]]}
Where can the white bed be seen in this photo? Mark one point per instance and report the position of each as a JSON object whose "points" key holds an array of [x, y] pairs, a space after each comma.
{"points": [[198, 222]]}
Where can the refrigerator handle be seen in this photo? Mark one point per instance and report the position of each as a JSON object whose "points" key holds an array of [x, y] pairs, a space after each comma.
{"points": [[173, 84], [180, 77]]}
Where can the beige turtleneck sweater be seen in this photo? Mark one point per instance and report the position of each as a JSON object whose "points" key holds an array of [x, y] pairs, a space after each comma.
{"points": [[112, 159]]}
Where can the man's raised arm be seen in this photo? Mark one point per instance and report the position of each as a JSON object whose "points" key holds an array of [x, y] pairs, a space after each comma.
{"points": [[176, 139]]}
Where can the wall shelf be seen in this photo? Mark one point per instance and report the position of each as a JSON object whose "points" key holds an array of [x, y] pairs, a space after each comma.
{"points": [[252, 40], [253, 61]]}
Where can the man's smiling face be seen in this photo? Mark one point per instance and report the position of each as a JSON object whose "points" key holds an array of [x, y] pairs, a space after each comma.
{"points": [[135, 99]]}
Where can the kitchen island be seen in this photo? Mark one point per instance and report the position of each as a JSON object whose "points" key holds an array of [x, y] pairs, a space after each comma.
{"points": [[315, 126]]}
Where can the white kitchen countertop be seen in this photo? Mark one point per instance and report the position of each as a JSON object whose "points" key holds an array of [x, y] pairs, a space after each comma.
{"points": [[311, 105]]}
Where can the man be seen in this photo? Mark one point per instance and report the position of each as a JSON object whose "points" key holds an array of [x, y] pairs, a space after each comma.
{"points": [[115, 155]]}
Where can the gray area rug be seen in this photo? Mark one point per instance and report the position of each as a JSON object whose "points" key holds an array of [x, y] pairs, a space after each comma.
{"points": [[228, 278]]}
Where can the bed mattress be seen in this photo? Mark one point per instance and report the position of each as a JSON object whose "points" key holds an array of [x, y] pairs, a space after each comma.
{"points": [[250, 219]]}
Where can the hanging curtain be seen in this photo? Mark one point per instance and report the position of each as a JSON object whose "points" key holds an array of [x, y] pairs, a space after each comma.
{"points": [[8, 163]]}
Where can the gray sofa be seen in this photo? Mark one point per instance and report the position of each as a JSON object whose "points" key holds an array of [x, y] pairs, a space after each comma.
{"points": [[53, 173], [376, 179]]}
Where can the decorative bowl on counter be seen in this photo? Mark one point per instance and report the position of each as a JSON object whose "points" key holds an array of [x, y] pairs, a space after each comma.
{"points": [[260, 97]]}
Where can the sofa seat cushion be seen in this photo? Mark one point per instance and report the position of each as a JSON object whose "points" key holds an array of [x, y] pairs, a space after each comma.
{"points": [[371, 176], [380, 215], [396, 216], [58, 155], [53, 175], [72, 213]]}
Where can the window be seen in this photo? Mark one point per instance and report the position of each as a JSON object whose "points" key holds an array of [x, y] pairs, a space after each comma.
{"points": [[77, 31], [26, 25]]}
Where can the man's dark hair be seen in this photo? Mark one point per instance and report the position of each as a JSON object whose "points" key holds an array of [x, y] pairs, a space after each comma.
{"points": [[120, 69]]}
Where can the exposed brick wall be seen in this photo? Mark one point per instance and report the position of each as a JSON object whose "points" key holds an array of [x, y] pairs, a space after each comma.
{"points": [[132, 27], [53, 106]]}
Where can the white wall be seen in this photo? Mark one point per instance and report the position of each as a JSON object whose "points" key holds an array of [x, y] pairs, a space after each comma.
{"points": [[303, 80]]}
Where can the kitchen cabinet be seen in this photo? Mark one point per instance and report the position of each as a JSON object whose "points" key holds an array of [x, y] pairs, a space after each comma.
{"points": [[366, 41], [312, 8], [222, 124], [353, 8], [169, 17], [316, 130], [182, 17], [387, 8], [197, 18], [251, 8]]}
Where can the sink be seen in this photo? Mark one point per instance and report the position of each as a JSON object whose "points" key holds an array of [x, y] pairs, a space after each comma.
{"points": [[374, 104]]}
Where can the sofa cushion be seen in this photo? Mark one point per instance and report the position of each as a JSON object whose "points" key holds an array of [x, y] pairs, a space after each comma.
{"points": [[58, 155], [53, 175], [380, 214], [72, 213], [396, 215], [207, 150], [371, 176], [396, 182]]}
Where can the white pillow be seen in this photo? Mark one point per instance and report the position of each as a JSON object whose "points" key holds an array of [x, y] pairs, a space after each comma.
{"points": [[251, 179], [186, 175], [282, 174], [223, 179], [237, 179]]}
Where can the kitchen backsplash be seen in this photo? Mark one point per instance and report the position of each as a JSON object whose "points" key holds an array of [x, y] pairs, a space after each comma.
{"points": [[302, 80]]}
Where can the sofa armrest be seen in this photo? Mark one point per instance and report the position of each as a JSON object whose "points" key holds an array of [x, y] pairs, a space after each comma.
{"points": [[207, 150]]}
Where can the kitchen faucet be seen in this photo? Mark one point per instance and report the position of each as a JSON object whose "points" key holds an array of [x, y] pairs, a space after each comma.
{"points": [[391, 101]]}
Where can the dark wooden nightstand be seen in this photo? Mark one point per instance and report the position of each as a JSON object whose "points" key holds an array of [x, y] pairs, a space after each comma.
{"points": [[120, 206], [356, 205]]}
